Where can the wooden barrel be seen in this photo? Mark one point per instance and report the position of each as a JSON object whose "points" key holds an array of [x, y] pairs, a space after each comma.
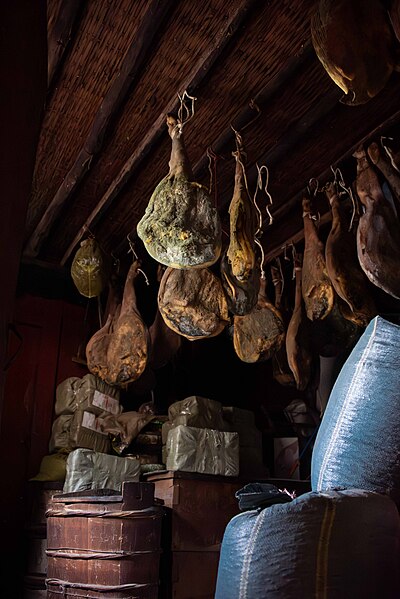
{"points": [[100, 544]]}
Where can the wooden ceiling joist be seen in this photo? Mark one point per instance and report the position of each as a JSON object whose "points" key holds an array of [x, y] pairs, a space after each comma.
{"points": [[60, 35], [110, 105], [193, 79]]}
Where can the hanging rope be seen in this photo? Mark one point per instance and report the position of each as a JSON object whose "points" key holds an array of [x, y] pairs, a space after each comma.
{"points": [[389, 152], [185, 112], [212, 167]]}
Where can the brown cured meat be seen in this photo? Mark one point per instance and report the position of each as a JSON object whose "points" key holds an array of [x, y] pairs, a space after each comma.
{"points": [[117, 353], [391, 173], [343, 267], [280, 368], [378, 231], [192, 303], [241, 251], [259, 335], [241, 296], [354, 41], [181, 226], [318, 293], [164, 342], [394, 14], [298, 336], [337, 333]]}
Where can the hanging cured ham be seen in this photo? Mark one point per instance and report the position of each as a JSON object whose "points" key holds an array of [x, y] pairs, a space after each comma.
{"points": [[280, 367], [261, 333], [164, 342], [318, 293], [241, 251], [378, 231], [118, 352], [192, 303], [298, 336], [347, 278], [355, 43], [241, 296], [390, 172], [181, 226]]}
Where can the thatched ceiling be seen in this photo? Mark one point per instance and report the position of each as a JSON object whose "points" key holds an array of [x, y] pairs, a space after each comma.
{"points": [[116, 68]]}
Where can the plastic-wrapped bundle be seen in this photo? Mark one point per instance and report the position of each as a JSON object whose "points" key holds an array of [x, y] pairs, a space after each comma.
{"points": [[358, 441], [300, 549], [87, 393]]}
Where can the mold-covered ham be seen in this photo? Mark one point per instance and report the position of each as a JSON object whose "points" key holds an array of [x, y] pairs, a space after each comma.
{"points": [[181, 226]]}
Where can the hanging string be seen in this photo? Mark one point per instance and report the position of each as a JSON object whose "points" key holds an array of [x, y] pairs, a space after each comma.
{"points": [[295, 260], [278, 261], [313, 194], [99, 311], [212, 167], [131, 248], [389, 152], [259, 185], [340, 183], [145, 276], [185, 113]]}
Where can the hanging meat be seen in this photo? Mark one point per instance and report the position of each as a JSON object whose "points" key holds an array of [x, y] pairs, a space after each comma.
{"points": [[181, 226], [192, 303], [257, 336], [343, 267], [318, 293], [243, 223], [394, 14], [298, 335], [118, 352], [280, 368], [390, 172], [354, 41], [90, 268], [241, 296], [164, 342], [378, 231]]}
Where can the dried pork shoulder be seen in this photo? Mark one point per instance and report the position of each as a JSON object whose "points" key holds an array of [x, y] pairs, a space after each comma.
{"points": [[259, 334], [164, 342], [118, 352], [241, 296], [192, 303], [318, 293], [181, 226], [354, 41], [378, 231], [298, 336], [343, 267]]}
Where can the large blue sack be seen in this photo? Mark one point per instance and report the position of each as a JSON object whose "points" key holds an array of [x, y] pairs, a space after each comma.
{"points": [[358, 441], [329, 545]]}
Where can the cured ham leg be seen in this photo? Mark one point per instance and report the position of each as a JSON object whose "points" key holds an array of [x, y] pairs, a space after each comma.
{"points": [[378, 231], [259, 334], [317, 289], [391, 174], [280, 367], [117, 353], [192, 303], [298, 336], [343, 267]]}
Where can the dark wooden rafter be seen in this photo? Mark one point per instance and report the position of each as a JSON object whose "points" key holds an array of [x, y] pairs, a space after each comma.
{"points": [[110, 105], [297, 235], [193, 79], [60, 35], [249, 114]]}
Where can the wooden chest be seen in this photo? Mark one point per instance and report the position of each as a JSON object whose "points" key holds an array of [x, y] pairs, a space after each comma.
{"points": [[198, 509]]}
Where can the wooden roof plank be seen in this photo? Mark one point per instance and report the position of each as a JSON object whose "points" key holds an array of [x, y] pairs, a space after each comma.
{"points": [[112, 102]]}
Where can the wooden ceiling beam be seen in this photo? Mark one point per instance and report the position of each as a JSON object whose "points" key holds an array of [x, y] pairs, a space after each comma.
{"points": [[60, 35], [111, 103], [193, 79]]}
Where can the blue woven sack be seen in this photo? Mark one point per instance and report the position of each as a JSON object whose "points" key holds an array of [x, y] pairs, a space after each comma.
{"points": [[358, 441], [333, 545]]}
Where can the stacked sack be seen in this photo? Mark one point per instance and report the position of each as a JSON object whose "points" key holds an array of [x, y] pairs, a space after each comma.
{"points": [[343, 538], [203, 436], [79, 403], [195, 440]]}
